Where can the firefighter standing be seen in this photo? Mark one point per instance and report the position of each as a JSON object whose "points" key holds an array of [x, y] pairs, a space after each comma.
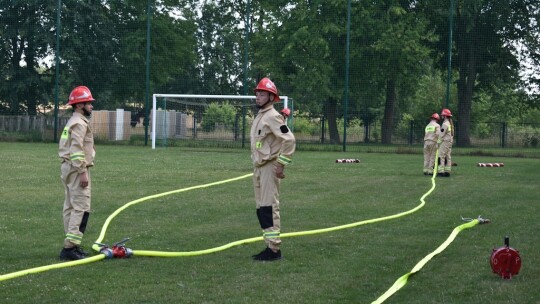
{"points": [[430, 143], [272, 146], [446, 138], [76, 150]]}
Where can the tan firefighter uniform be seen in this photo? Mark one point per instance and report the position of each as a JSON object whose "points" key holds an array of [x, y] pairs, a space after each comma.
{"points": [[271, 142], [446, 139], [76, 150], [430, 145]]}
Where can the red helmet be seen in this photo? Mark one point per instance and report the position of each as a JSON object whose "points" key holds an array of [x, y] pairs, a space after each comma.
{"points": [[435, 116], [267, 85], [446, 112], [80, 94], [286, 112]]}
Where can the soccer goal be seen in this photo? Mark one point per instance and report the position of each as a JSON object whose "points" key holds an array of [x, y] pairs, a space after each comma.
{"points": [[179, 118]]}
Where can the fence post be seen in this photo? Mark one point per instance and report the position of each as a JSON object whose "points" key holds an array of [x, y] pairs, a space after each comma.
{"points": [[411, 131], [503, 134], [366, 133], [236, 126], [323, 131], [194, 127]]}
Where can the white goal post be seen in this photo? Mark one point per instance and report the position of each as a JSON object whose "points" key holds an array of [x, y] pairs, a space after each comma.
{"points": [[284, 99]]}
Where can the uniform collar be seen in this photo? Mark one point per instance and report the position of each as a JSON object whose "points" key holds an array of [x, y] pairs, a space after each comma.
{"points": [[81, 116], [266, 109]]}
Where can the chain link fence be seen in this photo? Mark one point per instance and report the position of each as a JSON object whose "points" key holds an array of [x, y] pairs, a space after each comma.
{"points": [[180, 129], [361, 73]]}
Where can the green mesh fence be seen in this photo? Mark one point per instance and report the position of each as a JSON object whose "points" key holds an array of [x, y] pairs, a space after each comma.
{"points": [[361, 73]]}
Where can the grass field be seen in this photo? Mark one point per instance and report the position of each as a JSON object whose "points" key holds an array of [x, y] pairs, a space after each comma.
{"points": [[354, 265]]}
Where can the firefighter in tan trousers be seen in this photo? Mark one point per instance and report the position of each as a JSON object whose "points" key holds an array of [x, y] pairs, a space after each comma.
{"points": [[430, 143], [76, 151], [446, 139], [272, 146]]}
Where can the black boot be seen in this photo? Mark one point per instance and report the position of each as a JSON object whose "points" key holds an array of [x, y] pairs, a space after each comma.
{"points": [[80, 250], [71, 254], [267, 255]]}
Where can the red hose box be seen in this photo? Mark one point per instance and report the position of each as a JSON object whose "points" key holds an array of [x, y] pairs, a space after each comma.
{"points": [[505, 261]]}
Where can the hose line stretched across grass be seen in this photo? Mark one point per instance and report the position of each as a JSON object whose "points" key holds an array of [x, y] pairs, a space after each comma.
{"points": [[98, 246], [20, 273], [288, 234], [403, 279], [100, 257]]}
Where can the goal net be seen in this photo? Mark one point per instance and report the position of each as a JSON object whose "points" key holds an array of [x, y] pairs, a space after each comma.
{"points": [[178, 119]]}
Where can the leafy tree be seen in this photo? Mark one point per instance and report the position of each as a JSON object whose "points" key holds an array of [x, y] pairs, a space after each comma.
{"points": [[25, 44], [106, 47], [299, 44], [401, 54], [487, 38], [89, 48], [427, 98], [306, 48], [220, 39]]}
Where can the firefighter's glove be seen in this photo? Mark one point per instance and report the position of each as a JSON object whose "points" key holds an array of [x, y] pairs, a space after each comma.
{"points": [[279, 171]]}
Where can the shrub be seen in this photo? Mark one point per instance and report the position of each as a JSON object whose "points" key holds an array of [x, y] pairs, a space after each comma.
{"points": [[306, 125], [222, 114]]}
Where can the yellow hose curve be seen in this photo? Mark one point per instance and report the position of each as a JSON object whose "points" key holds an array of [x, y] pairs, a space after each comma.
{"points": [[96, 247], [99, 257], [403, 279], [291, 234], [50, 267]]}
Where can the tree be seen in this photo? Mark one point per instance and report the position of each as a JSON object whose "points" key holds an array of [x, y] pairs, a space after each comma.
{"points": [[487, 38], [308, 51], [301, 46], [25, 41], [105, 47], [220, 49], [402, 55], [89, 44]]}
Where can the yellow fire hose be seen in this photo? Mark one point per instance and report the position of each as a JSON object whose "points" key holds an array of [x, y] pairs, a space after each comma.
{"points": [[397, 285], [96, 247], [102, 235], [283, 235], [403, 279], [51, 267]]}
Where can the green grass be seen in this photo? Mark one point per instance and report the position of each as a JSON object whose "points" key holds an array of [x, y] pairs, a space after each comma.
{"points": [[354, 265]]}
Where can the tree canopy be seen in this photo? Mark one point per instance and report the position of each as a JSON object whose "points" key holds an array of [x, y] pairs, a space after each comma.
{"points": [[398, 55]]}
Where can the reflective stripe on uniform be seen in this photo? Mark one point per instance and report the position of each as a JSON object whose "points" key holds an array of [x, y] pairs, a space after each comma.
{"points": [[284, 160], [75, 239], [77, 156], [271, 234]]}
